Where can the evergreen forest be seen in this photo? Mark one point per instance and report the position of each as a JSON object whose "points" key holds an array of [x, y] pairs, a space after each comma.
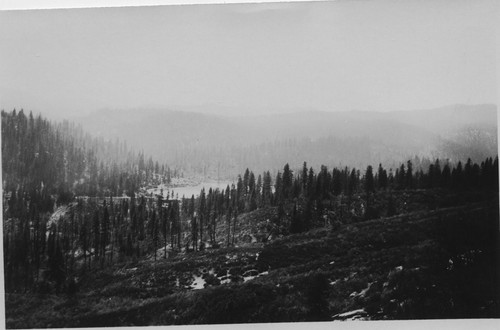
{"points": [[85, 243]]}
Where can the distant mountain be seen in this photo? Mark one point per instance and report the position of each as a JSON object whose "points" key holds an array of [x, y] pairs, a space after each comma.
{"points": [[209, 144], [450, 117], [172, 127]]}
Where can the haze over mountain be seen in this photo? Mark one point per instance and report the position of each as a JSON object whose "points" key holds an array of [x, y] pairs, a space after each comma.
{"points": [[268, 141], [405, 55]]}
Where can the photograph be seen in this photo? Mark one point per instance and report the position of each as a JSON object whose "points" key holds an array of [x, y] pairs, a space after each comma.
{"points": [[300, 163]]}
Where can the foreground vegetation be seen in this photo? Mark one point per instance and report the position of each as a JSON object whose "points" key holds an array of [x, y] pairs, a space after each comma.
{"points": [[427, 262]]}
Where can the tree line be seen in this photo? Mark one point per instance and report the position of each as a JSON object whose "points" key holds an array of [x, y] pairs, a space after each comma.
{"points": [[64, 214], [40, 248], [59, 158]]}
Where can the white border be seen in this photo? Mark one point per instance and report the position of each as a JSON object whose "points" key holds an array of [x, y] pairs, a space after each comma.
{"points": [[413, 324], [53, 4]]}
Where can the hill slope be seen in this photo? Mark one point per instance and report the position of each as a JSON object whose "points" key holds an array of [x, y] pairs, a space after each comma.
{"points": [[422, 263], [206, 143]]}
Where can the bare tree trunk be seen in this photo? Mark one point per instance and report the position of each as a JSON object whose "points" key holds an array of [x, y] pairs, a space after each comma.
{"points": [[171, 236], [234, 228], [179, 234], [165, 255], [201, 230], [113, 238], [228, 230]]}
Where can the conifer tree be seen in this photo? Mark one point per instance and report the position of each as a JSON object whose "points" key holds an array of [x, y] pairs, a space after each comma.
{"points": [[369, 180], [311, 184], [202, 214], [278, 189], [266, 189], [303, 178], [409, 174], [287, 181], [382, 177], [258, 191], [353, 182]]}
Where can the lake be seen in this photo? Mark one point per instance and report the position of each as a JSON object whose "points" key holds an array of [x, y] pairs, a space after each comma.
{"points": [[189, 190]]}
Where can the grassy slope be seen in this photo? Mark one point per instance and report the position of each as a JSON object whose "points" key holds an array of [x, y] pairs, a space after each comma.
{"points": [[437, 262]]}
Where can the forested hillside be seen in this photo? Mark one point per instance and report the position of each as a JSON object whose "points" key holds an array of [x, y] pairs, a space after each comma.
{"points": [[75, 214], [44, 166], [43, 157], [56, 166], [215, 145]]}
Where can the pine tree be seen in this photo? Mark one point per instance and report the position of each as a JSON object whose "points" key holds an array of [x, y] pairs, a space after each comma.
{"points": [[311, 184], [240, 195], [258, 191], [337, 181], [401, 177], [194, 224], [382, 177], [278, 189], [251, 183], [353, 182], [303, 178], [369, 180], [446, 176], [246, 179], [266, 189], [409, 174], [97, 237], [287, 182], [202, 214]]}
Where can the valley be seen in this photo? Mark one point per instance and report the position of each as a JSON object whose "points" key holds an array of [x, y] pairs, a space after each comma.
{"points": [[247, 164], [108, 237]]}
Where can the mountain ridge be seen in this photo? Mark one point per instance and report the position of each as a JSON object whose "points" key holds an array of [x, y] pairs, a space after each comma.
{"points": [[188, 138]]}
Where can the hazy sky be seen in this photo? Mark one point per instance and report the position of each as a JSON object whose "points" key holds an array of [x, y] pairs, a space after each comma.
{"points": [[366, 55]]}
